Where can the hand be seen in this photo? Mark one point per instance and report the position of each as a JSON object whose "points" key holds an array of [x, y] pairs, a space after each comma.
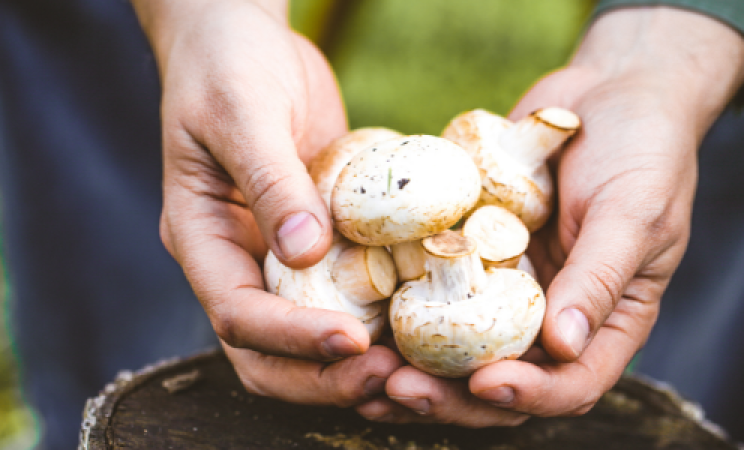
{"points": [[647, 83], [245, 103]]}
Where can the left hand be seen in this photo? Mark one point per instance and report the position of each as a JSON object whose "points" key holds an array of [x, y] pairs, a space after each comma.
{"points": [[626, 185]]}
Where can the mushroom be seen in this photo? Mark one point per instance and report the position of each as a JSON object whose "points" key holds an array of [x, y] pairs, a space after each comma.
{"points": [[404, 189], [461, 317], [525, 265], [326, 166], [501, 237], [409, 260], [511, 157], [502, 240], [351, 278]]}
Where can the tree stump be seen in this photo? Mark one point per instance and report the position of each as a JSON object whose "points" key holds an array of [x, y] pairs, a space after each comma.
{"points": [[199, 403]]}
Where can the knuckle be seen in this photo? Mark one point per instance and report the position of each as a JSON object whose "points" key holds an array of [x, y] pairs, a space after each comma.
{"points": [[516, 420], [593, 395], [345, 393], [265, 185], [581, 410], [604, 285], [225, 327], [251, 380], [294, 338]]}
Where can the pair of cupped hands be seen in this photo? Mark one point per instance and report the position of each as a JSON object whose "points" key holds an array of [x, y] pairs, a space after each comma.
{"points": [[246, 105]]}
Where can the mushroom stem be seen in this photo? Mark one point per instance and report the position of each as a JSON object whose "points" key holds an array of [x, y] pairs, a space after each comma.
{"points": [[533, 139], [409, 260], [364, 274], [525, 265], [454, 267]]}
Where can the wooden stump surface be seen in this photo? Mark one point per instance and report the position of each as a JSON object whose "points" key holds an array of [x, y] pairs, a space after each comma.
{"points": [[199, 403]]}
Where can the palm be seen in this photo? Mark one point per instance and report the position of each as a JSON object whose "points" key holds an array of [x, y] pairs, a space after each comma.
{"points": [[616, 174]]}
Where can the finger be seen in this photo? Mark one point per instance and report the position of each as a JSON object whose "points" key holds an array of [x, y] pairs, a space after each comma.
{"points": [[553, 389], [607, 254], [544, 94], [257, 148], [343, 383], [208, 242], [429, 399], [209, 233], [228, 282]]}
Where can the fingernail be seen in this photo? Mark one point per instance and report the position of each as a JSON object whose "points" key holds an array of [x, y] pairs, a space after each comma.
{"points": [[574, 328], [374, 385], [501, 395], [418, 405], [339, 346], [298, 234]]}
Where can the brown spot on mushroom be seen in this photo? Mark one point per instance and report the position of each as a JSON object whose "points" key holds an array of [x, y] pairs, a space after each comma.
{"points": [[403, 182]]}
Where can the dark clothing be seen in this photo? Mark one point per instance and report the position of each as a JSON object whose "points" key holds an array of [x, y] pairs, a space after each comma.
{"points": [[698, 343], [730, 12], [93, 290]]}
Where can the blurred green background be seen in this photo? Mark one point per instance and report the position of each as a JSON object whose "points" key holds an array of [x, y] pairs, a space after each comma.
{"points": [[410, 65]]}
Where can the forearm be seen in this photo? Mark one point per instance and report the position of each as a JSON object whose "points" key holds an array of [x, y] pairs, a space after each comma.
{"points": [[694, 60]]}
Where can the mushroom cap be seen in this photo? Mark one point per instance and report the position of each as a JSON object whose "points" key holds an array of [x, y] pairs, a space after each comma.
{"points": [[476, 132], [314, 287], [525, 187], [502, 238], [529, 196], [326, 166], [404, 189], [453, 340]]}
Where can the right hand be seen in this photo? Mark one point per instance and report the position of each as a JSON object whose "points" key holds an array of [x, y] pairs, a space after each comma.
{"points": [[246, 102]]}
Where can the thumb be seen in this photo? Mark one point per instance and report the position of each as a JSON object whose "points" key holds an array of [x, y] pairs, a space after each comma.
{"points": [[606, 256], [264, 164]]}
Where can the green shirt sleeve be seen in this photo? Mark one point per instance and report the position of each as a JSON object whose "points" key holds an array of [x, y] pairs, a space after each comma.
{"points": [[730, 12]]}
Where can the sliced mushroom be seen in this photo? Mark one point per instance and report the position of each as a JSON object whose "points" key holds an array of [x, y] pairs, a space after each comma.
{"points": [[326, 166], [502, 238], [404, 189], [350, 278], [461, 317], [409, 260], [511, 158]]}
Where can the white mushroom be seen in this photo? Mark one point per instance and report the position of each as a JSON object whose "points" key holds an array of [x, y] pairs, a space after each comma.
{"points": [[409, 260], [525, 265], [350, 278], [511, 158], [404, 189], [501, 237], [326, 166], [461, 317]]}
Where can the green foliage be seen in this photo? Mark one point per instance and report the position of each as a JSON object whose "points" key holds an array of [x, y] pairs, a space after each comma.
{"points": [[412, 65], [16, 422]]}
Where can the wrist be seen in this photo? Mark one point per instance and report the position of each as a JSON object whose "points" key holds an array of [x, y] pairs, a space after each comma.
{"points": [[161, 19], [693, 62]]}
